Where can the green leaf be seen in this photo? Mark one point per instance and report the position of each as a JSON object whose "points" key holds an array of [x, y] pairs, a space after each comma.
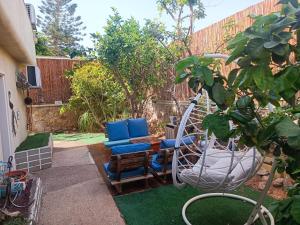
{"points": [[261, 21], [204, 61], [263, 77], [232, 76], [286, 79], [207, 76], [239, 39], [218, 124], [243, 102], [230, 98], [181, 65], [244, 61], [253, 33], [244, 78], [193, 83], [271, 44], [278, 59], [219, 93], [180, 78], [237, 116], [266, 133], [288, 95], [237, 52], [287, 128], [239, 47], [296, 171], [282, 24], [295, 209], [255, 48], [294, 142], [294, 3], [281, 50], [282, 37]]}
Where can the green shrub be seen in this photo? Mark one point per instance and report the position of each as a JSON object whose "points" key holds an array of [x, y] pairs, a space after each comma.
{"points": [[96, 98]]}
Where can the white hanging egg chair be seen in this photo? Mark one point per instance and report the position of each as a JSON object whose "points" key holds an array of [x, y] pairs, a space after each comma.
{"points": [[214, 166]]}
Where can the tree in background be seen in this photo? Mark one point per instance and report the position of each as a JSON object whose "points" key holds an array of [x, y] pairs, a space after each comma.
{"points": [[96, 98], [61, 27], [136, 59], [41, 46], [184, 14]]}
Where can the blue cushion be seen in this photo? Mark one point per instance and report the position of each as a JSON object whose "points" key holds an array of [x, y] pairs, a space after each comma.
{"points": [[122, 149], [138, 127], [170, 143], [125, 174], [117, 130], [157, 166], [110, 144]]}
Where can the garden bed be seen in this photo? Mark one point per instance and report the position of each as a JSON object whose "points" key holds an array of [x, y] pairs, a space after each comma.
{"points": [[35, 153]]}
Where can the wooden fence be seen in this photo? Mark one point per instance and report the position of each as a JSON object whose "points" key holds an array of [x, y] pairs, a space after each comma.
{"points": [[55, 86]]}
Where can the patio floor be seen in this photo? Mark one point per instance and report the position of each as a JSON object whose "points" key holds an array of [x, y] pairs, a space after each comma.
{"points": [[74, 192]]}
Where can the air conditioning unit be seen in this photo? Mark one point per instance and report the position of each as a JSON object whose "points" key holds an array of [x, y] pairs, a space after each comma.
{"points": [[31, 14], [34, 76]]}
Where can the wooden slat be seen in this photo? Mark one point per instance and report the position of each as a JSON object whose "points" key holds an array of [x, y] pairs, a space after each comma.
{"points": [[128, 161], [131, 179], [55, 86]]}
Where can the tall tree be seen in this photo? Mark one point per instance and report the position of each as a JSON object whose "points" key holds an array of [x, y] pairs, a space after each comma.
{"points": [[61, 26], [41, 46], [135, 58], [184, 14]]}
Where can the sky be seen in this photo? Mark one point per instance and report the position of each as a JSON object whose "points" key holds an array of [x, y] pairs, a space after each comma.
{"points": [[94, 13]]}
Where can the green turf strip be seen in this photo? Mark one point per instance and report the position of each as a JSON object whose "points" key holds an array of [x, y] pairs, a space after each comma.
{"points": [[34, 141], [162, 206], [86, 138]]}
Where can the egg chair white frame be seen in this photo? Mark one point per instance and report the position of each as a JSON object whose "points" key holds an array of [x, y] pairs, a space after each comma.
{"points": [[239, 164]]}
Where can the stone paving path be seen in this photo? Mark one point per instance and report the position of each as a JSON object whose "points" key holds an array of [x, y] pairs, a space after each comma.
{"points": [[74, 193]]}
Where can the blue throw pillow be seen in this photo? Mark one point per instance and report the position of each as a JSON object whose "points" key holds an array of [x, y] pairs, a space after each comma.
{"points": [[138, 127], [170, 143], [122, 149], [117, 130]]}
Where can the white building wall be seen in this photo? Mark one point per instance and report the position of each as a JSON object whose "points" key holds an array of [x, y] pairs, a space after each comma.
{"points": [[9, 67]]}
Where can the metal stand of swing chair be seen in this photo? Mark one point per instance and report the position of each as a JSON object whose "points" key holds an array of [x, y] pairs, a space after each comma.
{"points": [[259, 211]]}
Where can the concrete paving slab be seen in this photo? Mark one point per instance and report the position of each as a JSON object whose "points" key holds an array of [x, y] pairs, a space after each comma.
{"points": [[87, 203], [68, 144], [57, 178], [75, 157], [74, 191]]}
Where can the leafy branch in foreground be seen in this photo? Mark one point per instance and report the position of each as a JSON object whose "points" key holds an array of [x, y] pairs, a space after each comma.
{"points": [[268, 72]]}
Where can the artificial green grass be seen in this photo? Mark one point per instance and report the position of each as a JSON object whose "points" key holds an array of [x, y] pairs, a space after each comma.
{"points": [[34, 141], [162, 206], [15, 221], [86, 138]]}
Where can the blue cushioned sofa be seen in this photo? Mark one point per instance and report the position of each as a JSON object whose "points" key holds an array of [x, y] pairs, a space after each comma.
{"points": [[128, 163], [120, 132]]}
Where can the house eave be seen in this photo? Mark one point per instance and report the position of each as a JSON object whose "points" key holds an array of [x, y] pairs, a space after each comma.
{"points": [[16, 34]]}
